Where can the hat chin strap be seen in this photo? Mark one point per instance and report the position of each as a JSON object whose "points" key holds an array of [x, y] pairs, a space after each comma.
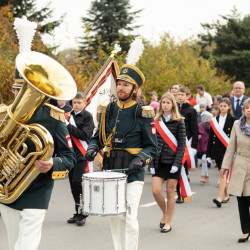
{"points": [[131, 93]]}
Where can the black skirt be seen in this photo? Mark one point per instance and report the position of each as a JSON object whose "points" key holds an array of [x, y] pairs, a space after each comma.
{"points": [[163, 171]]}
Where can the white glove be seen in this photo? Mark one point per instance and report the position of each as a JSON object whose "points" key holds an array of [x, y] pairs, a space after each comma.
{"points": [[209, 160], [173, 170], [194, 151], [152, 170]]}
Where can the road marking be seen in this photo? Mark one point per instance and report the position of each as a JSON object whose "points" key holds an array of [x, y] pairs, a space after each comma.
{"points": [[155, 203]]}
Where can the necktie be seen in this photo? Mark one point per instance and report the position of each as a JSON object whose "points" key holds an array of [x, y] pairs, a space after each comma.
{"points": [[238, 108]]}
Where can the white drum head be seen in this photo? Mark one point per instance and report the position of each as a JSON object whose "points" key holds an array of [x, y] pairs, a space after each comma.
{"points": [[104, 175]]}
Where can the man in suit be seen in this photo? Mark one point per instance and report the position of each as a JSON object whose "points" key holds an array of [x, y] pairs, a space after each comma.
{"points": [[238, 98]]}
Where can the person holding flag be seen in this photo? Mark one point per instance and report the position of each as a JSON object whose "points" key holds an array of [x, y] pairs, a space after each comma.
{"points": [[80, 125], [171, 139], [219, 135]]}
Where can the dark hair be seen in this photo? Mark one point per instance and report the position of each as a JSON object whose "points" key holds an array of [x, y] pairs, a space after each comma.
{"points": [[185, 90], [227, 101], [176, 83], [201, 87], [227, 95], [80, 95]]}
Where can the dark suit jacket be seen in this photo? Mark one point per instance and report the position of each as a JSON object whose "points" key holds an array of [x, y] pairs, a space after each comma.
{"points": [[215, 148], [239, 114]]}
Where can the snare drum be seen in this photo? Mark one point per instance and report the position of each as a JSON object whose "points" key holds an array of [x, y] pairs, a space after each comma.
{"points": [[104, 193]]}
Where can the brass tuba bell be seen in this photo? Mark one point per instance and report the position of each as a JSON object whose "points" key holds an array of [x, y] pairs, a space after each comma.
{"points": [[44, 78]]}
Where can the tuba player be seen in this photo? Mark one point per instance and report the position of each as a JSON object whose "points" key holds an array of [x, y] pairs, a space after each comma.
{"points": [[24, 217]]}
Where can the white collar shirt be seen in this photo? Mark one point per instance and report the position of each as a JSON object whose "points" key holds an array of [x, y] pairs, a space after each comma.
{"points": [[205, 99], [222, 120], [167, 118], [235, 101]]}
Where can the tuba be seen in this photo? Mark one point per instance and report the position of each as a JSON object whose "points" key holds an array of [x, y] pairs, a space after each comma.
{"points": [[44, 78]]}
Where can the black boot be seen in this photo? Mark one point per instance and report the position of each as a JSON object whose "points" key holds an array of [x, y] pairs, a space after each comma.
{"points": [[81, 219], [73, 219]]}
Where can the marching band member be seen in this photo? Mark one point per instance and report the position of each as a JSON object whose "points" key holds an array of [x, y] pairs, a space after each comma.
{"points": [[80, 126], [168, 163], [126, 129], [219, 135], [24, 217]]}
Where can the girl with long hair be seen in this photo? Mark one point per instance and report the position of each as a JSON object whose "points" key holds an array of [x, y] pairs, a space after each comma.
{"points": [[167, 163], [216, 148]]}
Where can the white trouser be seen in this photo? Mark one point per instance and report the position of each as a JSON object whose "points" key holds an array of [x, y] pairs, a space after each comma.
{"points": [[23, 227], [125, 229], [204, 169]]}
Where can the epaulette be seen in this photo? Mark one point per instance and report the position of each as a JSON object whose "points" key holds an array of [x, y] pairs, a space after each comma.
{"points": [[56, 113], [102, 107], [3, 111], [148, 112]]}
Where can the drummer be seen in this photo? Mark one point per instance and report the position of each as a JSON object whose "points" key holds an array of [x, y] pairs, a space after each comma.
{"points": [[127, 131]]}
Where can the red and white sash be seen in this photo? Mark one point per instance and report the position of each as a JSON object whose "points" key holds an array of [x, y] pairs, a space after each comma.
{"points": [[82, 145], [222, 136], [189, 155], [169, 138], [219, 132]]}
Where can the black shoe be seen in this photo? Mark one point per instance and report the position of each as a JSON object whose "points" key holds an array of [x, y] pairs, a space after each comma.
{"points": [[218, 203], [81, 219], [179, 200], [163, 230], [73, 219], [241, 240], [225, 201], [162, 225]]}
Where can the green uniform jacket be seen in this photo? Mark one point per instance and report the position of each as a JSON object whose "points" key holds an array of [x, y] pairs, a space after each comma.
{"points": [[142, 136], [37, 195]]}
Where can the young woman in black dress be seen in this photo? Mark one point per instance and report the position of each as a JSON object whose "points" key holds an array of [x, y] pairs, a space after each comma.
{"points": [[167, 164], [216, 149]]}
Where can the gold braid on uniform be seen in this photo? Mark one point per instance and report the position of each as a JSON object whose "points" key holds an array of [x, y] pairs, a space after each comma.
{"points": [[148, 112], [56, 113], [104, 141]]}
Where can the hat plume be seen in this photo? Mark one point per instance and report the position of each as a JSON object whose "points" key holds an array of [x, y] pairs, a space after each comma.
{"points": [[135, 51]]}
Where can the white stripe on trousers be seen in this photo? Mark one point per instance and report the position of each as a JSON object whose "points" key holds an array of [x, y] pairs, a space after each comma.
{"points": [[24, 228], [125, 229]]}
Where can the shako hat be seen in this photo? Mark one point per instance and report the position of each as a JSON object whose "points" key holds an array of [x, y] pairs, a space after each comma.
{"points": [[129, 72], [132, 74]]}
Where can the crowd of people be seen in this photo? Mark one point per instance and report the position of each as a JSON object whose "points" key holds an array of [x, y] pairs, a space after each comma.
{"points": [[218, 130], [206, 123]]}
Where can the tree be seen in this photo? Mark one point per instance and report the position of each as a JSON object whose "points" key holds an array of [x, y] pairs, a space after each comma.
{"points": [[107, 23], [9, 50], [227, 42], [170, 62], [28, 8]]}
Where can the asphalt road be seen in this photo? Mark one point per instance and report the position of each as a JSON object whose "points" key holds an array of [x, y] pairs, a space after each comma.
{"points": [[196, 225]]}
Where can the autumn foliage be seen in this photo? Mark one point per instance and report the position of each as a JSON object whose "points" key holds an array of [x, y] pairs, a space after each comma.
{"points": [[162, 64], [9, 50]]}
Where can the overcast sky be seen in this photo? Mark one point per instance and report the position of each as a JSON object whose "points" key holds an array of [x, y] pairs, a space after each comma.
{"points": [[182, 18]]}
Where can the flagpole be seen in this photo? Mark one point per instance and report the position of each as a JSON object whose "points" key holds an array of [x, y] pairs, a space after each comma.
{"points": [[113, 53]]}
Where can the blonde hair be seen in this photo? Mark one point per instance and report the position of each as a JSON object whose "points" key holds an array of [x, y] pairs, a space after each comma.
{"points": [[245, 103], [175, 115]]}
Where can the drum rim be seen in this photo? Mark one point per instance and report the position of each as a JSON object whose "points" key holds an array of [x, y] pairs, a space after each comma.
{"points": [[105, 179]]}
